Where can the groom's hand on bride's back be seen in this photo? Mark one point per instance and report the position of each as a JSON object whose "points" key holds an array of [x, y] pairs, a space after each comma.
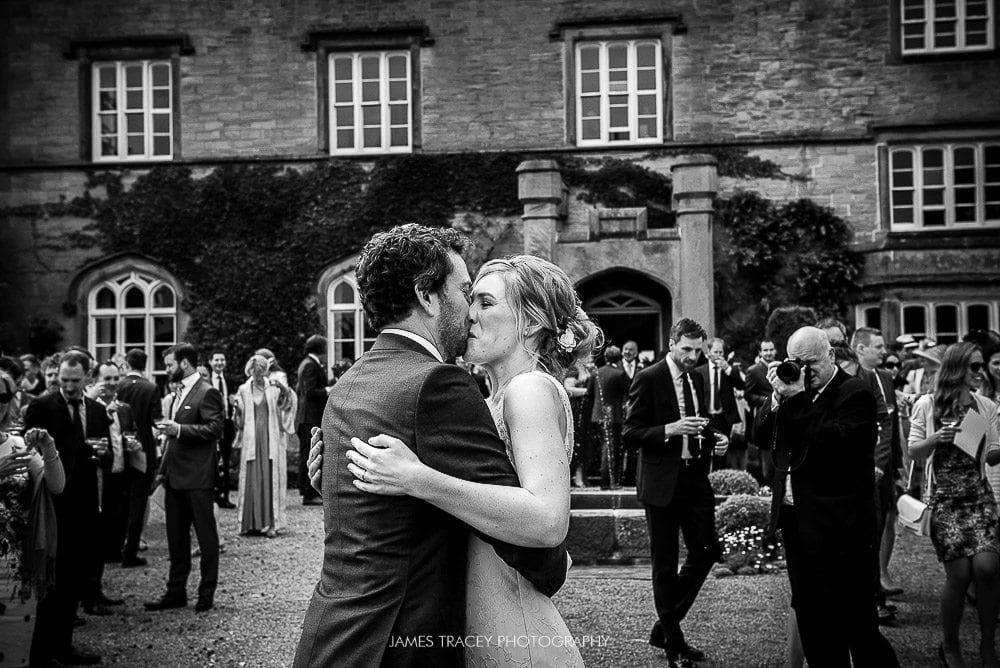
{"points": [[315, 461]]}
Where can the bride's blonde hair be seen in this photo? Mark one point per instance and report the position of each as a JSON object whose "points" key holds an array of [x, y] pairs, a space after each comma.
{"points": [[540, 293]]}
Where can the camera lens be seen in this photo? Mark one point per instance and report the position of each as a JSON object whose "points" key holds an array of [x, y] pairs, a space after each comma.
{"points": [[788, 371]]}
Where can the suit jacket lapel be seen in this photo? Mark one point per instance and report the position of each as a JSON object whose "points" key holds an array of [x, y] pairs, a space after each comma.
{"points": [[190, 401], [670, 391]]}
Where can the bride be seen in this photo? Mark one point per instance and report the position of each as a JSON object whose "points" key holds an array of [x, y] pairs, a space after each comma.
{"points": [[526, 330]]}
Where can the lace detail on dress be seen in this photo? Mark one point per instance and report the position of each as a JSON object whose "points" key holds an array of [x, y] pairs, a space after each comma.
{"points": [[496, 410]]}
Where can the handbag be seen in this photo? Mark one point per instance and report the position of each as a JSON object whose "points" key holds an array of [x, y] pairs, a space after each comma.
{"points": [[914, 515]]}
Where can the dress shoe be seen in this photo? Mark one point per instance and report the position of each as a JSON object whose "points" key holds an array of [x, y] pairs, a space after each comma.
{"points": [[75, 657], [892, 591], [96, 609], [132, 562], [78, 622], [225, 503], [204, 604], [692, 652], [166, 603], [104, 600], [312, 502]]}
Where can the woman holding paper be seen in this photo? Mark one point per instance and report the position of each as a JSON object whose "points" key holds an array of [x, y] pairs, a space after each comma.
{"points": [[954, 430]]}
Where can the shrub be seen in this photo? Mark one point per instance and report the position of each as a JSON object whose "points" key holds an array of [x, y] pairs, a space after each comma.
{"points": [[741, 522], [730, 481]]}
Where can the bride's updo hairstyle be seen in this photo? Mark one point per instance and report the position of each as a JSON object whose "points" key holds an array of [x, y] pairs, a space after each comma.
{"points": [[541, 293]]}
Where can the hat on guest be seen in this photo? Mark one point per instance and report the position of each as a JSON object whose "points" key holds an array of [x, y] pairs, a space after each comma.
{"points": [[934, 354], [907, 341]]}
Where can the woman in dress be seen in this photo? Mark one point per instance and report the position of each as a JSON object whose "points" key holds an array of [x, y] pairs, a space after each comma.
{"points": [[964, 520], [527, 329], [265, 413], [30, 472]]}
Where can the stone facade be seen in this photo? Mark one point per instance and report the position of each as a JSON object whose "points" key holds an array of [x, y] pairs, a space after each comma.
{"points": [[812, 86]]}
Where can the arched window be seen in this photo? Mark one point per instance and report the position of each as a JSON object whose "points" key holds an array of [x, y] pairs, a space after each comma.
{"points": [[132, 310], [349, 334]]}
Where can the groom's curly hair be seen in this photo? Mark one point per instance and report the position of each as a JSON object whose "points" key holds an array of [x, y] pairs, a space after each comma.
{"points": [[393, 262]]}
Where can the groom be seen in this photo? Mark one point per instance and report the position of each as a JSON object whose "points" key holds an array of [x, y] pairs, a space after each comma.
{"points": [[392, 587]]}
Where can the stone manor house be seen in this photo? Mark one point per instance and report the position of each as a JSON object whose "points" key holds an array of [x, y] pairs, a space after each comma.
{"points": [[888, 109]]}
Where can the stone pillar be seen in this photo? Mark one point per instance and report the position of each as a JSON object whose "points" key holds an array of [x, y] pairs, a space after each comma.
{"points": [[540, 189], [695, 183]]}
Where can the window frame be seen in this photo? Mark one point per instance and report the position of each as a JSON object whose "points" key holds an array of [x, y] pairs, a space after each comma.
{"points": [[660, 28], [324, 42], [930, 308], [961, 34], [358, 104], [362, 343], [917, 148], [120, 283], [900, 56], [121, 111], [88, 52]]}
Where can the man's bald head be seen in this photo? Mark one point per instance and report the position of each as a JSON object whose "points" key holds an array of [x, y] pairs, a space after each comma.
{"points": [[812, 345]]}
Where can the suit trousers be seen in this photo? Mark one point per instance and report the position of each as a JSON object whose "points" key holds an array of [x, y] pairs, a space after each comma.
{"points": [[137, 486], [224, 455], [834, 602], [185, 507], [114, 513], [304, 432], [691, 512]]}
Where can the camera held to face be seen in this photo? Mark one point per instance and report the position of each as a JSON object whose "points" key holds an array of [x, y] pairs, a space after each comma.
{"points": [[790, 370]]}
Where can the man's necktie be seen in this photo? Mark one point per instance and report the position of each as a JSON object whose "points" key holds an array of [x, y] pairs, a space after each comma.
{"points": [[689, 411], [77, 419], [717, 395], [218, 384]]}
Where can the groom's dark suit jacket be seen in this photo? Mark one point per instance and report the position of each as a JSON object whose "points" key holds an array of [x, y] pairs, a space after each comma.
{"points": [[393, 577]]}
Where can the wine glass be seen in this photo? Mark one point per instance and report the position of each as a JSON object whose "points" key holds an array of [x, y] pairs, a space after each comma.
{"points": [[949, 422]]}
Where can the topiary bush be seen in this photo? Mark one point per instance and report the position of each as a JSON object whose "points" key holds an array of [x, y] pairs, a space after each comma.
{"points": [[730, 481], [742, 511]]}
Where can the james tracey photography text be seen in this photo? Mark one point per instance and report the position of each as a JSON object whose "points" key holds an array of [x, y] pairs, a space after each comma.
{"points": [[497, 641]]}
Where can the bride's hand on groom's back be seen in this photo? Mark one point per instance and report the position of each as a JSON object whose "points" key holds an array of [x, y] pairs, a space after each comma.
{"points": [[385, 465], [315, 460]]}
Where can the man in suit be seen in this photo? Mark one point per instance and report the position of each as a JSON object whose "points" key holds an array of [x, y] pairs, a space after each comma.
{"points": [[756, 392], [311, 388], [187, 470], [77, 424], [609, 386], [722, 380], [217, 377], [824, 428], [392, 587], [665, 417], [143, 398], [869, 345], [631, 364]]}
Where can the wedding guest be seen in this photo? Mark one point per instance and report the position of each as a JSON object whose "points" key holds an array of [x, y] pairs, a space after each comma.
{"points": [[577, 382], [992, 386], [80, 427], [30, 473], [265, 413], [964, 520], [33, 382]]}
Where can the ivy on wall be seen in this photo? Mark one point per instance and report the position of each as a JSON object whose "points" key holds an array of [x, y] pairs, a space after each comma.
{"points": [[250, 240]]}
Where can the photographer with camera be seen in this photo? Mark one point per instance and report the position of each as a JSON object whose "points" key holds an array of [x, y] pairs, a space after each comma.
{"points": [[821, 426]]}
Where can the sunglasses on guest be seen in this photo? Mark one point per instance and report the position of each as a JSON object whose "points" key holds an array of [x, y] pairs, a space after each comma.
{"points": [[890, 365], [976, 367]]}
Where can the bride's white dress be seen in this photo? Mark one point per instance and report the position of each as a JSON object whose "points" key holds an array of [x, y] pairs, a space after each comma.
{"points": [[508, 621]]}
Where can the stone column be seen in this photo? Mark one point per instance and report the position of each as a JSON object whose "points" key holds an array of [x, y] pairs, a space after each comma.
{"points": [[540, 189], [695, 183]]}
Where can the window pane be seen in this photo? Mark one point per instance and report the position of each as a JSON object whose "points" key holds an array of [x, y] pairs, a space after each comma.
{"points": [[373, 137], [345, 116], [978, 316], [109, 101], [163, 297], [105, 298], [944, 8], [134, 298], [133, 99], [369, 92], [133, 122], [343, 350], [109, 146], [590, 58], [619, 117], [163, 329], [591, 129], [902, 160], [902, 215], [397, 90], [590, 82], [343, 92], [134, 330], [136, 145], [902, 198], [371, 115], [369, 67], [933, 197], [161, 99], [647, 105], [107, 77], [397, 67], [645, 55], [345, 138], [947, 318], [647, 128], [397, 114], [106, 330], [161, 123], [590, 107], [646, 80], [161, 145], [343, 325], [913, 10], [617, 56], [934, 219], [399, 137], [161, 75], [914, 320], [342, 69], [133, 76], [343, 294]]}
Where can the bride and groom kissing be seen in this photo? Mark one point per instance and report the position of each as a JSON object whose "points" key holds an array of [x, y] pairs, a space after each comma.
{"points": [[445, 527]]}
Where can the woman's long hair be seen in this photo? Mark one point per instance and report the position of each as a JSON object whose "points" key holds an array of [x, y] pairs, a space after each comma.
{"points": [[950, 379]]}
